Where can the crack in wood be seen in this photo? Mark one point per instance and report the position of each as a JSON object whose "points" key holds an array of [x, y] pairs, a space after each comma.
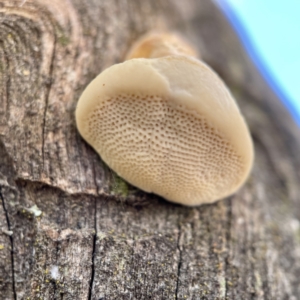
{"points": [[179, 263], [94, 239], [42, 184], [11, 243], [8, 83], [228, 239], [49, 84], [93, 255]]}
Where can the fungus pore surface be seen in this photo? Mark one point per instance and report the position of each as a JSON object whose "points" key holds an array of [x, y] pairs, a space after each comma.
{"points": [[169, 126], [164, 148]]}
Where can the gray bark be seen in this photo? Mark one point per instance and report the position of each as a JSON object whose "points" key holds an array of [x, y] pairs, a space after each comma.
{"points": [[97, 237]]}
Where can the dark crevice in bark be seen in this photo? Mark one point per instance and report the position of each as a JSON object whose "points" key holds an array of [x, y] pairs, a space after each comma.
{"points": [[179, 263], [93, 255], [48, 84], [55, 188], [228, 239], [12, 245], [6, 80], [7, 92], [94, 240]]}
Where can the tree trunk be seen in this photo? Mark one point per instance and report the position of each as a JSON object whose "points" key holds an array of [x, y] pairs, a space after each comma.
{"points": [[71, 229]]}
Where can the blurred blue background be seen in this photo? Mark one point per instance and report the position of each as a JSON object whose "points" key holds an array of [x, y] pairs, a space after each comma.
{"points": [[270, 32]]}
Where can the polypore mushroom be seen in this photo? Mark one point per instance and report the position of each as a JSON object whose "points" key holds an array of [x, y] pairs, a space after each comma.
{"points": [[168, 124]]}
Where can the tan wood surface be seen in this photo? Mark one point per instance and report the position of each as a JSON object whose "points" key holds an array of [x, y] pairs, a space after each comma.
{"points": [[94, 237]]}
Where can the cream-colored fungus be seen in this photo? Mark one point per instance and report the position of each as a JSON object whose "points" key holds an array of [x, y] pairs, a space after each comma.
{"points": [[168, 125]]}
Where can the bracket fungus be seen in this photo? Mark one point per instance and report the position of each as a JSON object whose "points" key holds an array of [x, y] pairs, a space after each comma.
{"points": [[166, 123]]}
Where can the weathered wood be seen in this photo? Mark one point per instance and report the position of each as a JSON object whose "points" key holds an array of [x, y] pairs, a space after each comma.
{"points": [[91, 236]]}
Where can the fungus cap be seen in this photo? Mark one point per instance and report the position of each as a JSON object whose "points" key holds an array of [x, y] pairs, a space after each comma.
{"points": [[169, 126], [159, 44]]}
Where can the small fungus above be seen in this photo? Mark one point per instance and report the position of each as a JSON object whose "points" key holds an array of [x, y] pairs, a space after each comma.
{"points": [[166, 123]]}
